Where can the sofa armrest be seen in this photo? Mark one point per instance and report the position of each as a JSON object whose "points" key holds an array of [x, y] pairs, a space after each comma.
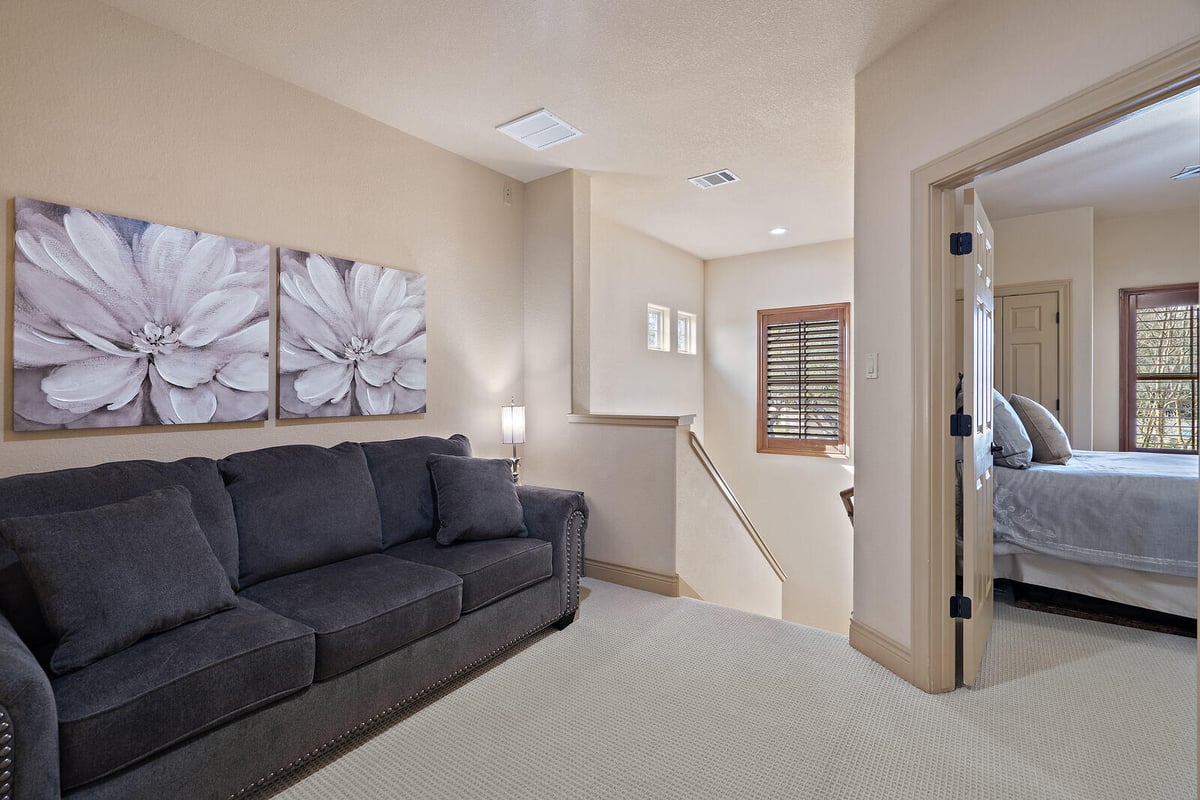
{"points": [[560, 517], [28, 723]]}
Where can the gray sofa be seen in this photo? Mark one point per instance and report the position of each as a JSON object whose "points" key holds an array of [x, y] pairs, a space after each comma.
{"points": [[346, 610]]}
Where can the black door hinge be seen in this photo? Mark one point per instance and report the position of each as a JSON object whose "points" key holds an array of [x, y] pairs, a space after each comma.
{"points": [[960, 607], [960, 424], [1056, 402], [1057, 317], [960, 244]]}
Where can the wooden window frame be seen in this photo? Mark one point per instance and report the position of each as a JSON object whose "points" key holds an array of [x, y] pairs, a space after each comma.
{"points": [[840, 312], [1127, 387]]}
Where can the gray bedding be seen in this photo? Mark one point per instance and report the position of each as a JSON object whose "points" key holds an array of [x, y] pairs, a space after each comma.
{"points": [[1132, 510]]}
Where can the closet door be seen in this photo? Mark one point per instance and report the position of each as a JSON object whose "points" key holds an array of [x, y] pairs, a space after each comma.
{"points": [[1027, 347]]}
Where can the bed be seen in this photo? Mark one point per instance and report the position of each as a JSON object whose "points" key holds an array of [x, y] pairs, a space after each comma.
{"points": [[1119, 526]]}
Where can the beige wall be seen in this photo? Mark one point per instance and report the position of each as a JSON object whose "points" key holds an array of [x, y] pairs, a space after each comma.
{"points": [[1141, 250], [975, 68], [107, 112], [627, 473], [629, 270], [1049, 247], [792, 500]]}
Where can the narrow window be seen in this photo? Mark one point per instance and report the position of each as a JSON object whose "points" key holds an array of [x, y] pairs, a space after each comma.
{"points": [[803, 389], [685, 333], [1159, 368], [658, 335]]}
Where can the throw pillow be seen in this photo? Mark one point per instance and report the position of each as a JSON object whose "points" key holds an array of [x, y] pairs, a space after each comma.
{"points": [[1016, 450], [109, 576], [1050, 443], [476, 499]]}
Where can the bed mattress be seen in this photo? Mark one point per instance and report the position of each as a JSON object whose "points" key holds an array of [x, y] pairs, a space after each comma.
{"points": [[1131, 510]]}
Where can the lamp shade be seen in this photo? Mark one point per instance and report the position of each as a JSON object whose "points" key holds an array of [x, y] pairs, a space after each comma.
{"points": [[512, 424]]}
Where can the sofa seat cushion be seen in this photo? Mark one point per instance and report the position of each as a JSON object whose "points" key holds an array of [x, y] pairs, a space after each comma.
{"points": [[490, 570], [364, 607], [169, 687]]}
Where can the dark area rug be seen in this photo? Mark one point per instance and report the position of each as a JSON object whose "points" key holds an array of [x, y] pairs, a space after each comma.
{"points": [[1069, 604]]}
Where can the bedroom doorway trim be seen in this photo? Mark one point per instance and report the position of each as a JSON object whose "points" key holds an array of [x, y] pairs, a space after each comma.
{"points": [[932, 666]]}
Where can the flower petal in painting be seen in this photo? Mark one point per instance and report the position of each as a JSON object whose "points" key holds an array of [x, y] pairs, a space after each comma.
{"points": [[332, 291], [302, 321], [193, 405], [251, 339], [373, 400], [215, 315], [246, 373], [63, 301], [296, 359], [208, 261], [238, 406], [411, 375], [328, 382], [87, 385], [188, 368], [414, 348], [407, 401], [32, 348], [29, 401], [378, 370], [111, 261], [290, 404], [397, 328]]}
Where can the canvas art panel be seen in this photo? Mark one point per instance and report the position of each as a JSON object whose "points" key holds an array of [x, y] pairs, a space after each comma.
{"points": [[351, 338], [121, 322]]}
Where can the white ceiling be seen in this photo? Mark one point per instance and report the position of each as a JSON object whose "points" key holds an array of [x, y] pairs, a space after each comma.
{"points": [[663, 90], [1121, 170]]}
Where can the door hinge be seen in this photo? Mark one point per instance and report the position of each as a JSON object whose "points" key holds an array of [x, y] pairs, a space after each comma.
{"points": [[1056, 402], [960, 424], [960, 244], [1057, 317], [960, 607]]}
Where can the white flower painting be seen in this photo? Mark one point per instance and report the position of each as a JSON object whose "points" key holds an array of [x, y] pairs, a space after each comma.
{"points": [[120, 322], [351, 338]]}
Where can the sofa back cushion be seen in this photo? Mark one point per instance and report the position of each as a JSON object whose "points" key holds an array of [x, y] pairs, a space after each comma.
{"points": [[301, 506], [400, 471], [90, 487]]}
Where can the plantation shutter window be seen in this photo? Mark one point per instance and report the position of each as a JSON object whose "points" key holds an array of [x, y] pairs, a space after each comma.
{"points": [[1160, 368], [803, 391]]}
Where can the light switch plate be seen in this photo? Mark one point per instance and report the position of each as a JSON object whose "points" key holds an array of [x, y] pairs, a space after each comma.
{"points": [[872, 365]]}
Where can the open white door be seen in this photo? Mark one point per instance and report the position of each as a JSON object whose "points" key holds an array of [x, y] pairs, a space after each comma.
{"points": [[979, 326]]}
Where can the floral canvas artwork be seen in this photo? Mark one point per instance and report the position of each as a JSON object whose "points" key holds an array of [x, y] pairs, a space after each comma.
{"points": [[120, 322], [351, 338]]}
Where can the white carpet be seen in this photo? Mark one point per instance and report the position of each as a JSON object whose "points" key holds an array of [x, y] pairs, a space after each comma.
{"points": [[651, 697]]}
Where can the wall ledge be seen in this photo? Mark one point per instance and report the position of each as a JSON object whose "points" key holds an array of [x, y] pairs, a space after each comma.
{"points": [[638, 420]]}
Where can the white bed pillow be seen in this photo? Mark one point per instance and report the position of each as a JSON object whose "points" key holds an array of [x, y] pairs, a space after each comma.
{"points": [[1050, 443], [1008, 432]]}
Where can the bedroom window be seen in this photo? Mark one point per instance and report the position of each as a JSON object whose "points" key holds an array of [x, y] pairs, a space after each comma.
{"points": [[1159, 368], [803, 388]]}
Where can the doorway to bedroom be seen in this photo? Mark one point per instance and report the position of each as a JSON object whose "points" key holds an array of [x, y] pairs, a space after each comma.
{"points": [[1054, 232]]}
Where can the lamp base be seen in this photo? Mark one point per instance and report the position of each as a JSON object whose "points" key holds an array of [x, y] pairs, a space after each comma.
{"points": [[515, 465]]}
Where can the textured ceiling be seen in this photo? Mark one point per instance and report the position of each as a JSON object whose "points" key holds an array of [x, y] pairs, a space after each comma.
{"points": [[1121, 170], [663, 90]]}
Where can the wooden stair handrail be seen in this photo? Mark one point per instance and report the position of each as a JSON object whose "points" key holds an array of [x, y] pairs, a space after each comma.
{"points": [[715, 474]]}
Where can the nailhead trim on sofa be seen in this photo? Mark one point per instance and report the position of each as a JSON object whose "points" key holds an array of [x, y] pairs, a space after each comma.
{"points": [[6, 756], [574, 526]]}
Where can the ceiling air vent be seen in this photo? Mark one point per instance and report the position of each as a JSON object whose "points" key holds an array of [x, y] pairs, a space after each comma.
{"points": [[539, 130], [718, 178]]}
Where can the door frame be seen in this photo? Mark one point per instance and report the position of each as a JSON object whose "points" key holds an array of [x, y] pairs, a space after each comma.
{"points": [[1062, 288], [932, 469]]}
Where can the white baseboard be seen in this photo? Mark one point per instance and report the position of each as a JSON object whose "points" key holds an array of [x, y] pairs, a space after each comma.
{"points": [[644, 579], [882, 648]]}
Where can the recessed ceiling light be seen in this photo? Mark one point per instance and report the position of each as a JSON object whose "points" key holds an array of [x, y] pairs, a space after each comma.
{"points": [[540, 130], [777, 231], [1187, 172]]}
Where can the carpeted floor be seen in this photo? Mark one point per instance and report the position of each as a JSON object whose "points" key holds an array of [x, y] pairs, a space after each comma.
{"points": [[650, 697]]}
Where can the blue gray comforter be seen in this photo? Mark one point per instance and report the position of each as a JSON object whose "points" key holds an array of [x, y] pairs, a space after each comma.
{"points": [[1132, 510]]}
